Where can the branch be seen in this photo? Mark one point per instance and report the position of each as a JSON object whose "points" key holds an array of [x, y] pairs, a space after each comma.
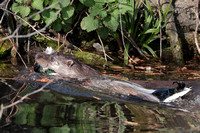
{"points": [[25, 21], [130, 39], [18, 53], [104, 52], [197, 26], [160, 17], [27, 95]]}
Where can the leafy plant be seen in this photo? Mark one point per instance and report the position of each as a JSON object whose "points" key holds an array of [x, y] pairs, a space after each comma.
{"points": [[102, 15], [25, 9], [144, 26]]}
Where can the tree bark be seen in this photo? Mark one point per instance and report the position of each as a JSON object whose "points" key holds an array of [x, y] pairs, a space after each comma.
{"points": [[172, 32]]}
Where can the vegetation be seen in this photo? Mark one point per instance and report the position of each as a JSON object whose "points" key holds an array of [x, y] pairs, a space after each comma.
{"points": [[143, 27], [137, 19]]}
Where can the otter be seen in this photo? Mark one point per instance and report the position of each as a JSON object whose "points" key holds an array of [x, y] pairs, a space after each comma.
{"points": [[68, 66], [64, 65]]}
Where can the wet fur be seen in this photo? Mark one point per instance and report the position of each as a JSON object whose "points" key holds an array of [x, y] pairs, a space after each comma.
{"points": [[65, 65]]}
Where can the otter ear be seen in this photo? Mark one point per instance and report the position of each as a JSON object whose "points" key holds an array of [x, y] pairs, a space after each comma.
{"points": [[70, 63]]}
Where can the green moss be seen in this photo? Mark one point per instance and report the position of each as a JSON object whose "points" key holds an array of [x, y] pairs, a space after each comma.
{"points": [[7, 69], [89, 58], [87, 44], [45, 42], [5, 46]]}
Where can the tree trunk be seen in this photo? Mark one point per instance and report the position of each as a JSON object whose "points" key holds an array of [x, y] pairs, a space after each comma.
{"points": [[175, 42]]}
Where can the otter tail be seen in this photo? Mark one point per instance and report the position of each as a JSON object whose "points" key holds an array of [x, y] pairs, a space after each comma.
{"points": [[167, 95]]}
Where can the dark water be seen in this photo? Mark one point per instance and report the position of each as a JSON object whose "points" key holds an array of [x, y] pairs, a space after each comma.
{"points": [[78, 111]]}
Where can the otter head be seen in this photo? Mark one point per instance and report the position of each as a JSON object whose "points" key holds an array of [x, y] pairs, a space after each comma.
{"points": [[42, 59]]}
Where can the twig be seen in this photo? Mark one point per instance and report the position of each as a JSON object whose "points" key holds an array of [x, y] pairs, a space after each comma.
{"points": [[8, 78], [122, 33], [160, 17], [6, 8], [71, 2], [197, 26], [104, 48], [4, 81], [58, 49], [17, 28], [129, 38], [104, 52], [11, 112], [18, 53], [30, 34], [27, 95], [77, 22]]}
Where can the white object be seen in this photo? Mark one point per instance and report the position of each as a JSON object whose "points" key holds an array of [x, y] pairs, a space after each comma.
{"points": [[49, 50], [98, 47], [177, 95]]}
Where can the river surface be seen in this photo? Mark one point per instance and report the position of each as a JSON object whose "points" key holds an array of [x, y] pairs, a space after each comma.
{"points": [[76, 110]]}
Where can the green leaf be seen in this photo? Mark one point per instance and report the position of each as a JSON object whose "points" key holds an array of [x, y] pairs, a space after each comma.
{"points": [[64, 3], [67, 12], [110, 1], [15, 7], [65, 27], [24, 11], [57, 25], [149, 8], [150, 50], [88, 3], [96, 9], [37, 4], [67, 22], [20, 1], [115, 13], [126, 53], [36, 17], [89, 23], [152, 31], [100, 2], [126, 7], [46, 2], [111, 23], [103, 32], [48, 15], [57, 6], [103, 1], [102, 14]]}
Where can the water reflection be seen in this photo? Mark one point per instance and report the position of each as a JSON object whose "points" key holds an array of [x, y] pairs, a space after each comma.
{"points": [[54, 111]]}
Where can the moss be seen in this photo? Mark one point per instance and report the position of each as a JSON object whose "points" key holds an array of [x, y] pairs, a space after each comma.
{"points": [[45, 42], [7, 69], [89, 58], [87, 44], [5, 46]]}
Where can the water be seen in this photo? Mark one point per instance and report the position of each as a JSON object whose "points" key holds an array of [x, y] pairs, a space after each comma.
{"points": [[79, 110]]}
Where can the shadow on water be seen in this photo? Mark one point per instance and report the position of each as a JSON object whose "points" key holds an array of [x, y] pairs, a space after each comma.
{"points": [[77, 110]]}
